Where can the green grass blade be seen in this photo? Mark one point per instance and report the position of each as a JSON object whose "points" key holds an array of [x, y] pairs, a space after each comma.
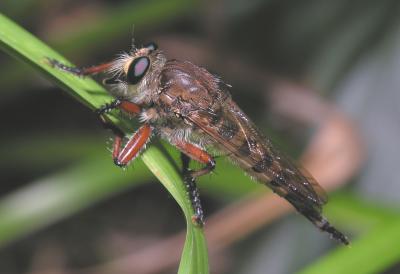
{"points": [[57, 196], [116, 22], [377, 246], [356, 214], [24, 46], [27, 48], [372, 253], [38, 150], [194, 257]]}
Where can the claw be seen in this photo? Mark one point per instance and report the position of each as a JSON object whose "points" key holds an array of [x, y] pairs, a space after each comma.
{"points": [[198, 220]]}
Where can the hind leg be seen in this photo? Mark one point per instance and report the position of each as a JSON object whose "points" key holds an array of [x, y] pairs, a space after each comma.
{"points": [[189, 152]]}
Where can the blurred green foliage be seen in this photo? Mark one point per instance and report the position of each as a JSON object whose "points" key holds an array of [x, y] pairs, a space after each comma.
{"points": [[92, 178]]}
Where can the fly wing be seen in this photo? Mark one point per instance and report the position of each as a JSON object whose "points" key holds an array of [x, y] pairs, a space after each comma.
{"points": [[236, 134]]}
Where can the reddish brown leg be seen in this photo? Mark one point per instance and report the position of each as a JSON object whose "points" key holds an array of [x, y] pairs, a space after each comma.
{"points": [[116, 147], [129, 107], [199, 155], [132, 147], [80, 71], [190, 151], [126, 106]]}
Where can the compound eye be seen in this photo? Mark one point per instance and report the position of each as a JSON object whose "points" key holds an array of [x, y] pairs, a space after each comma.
{"points": [[151, 46], [137, 69]]}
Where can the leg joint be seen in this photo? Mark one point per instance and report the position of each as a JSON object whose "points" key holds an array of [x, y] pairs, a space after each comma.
{"points": [[211, 164]]}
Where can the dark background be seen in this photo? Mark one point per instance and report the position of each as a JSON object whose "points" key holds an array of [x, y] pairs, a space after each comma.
{"points": [[344, 55]]}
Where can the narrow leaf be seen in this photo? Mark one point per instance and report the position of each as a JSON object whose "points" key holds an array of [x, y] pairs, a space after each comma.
{"points": [[24, 46]]}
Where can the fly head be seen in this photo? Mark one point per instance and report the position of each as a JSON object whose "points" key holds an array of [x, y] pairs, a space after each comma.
{"points": [[134, 75]]}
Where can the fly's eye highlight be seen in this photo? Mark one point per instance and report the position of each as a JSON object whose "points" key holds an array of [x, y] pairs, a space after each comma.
{"points": [[137, 69], [151, 46]]}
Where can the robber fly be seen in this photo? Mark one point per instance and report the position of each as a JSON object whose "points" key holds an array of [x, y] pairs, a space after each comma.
{"points": [[193, 110]]}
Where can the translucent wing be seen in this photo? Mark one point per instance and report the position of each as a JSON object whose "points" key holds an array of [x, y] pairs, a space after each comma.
{"points": [[236, 134]]}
